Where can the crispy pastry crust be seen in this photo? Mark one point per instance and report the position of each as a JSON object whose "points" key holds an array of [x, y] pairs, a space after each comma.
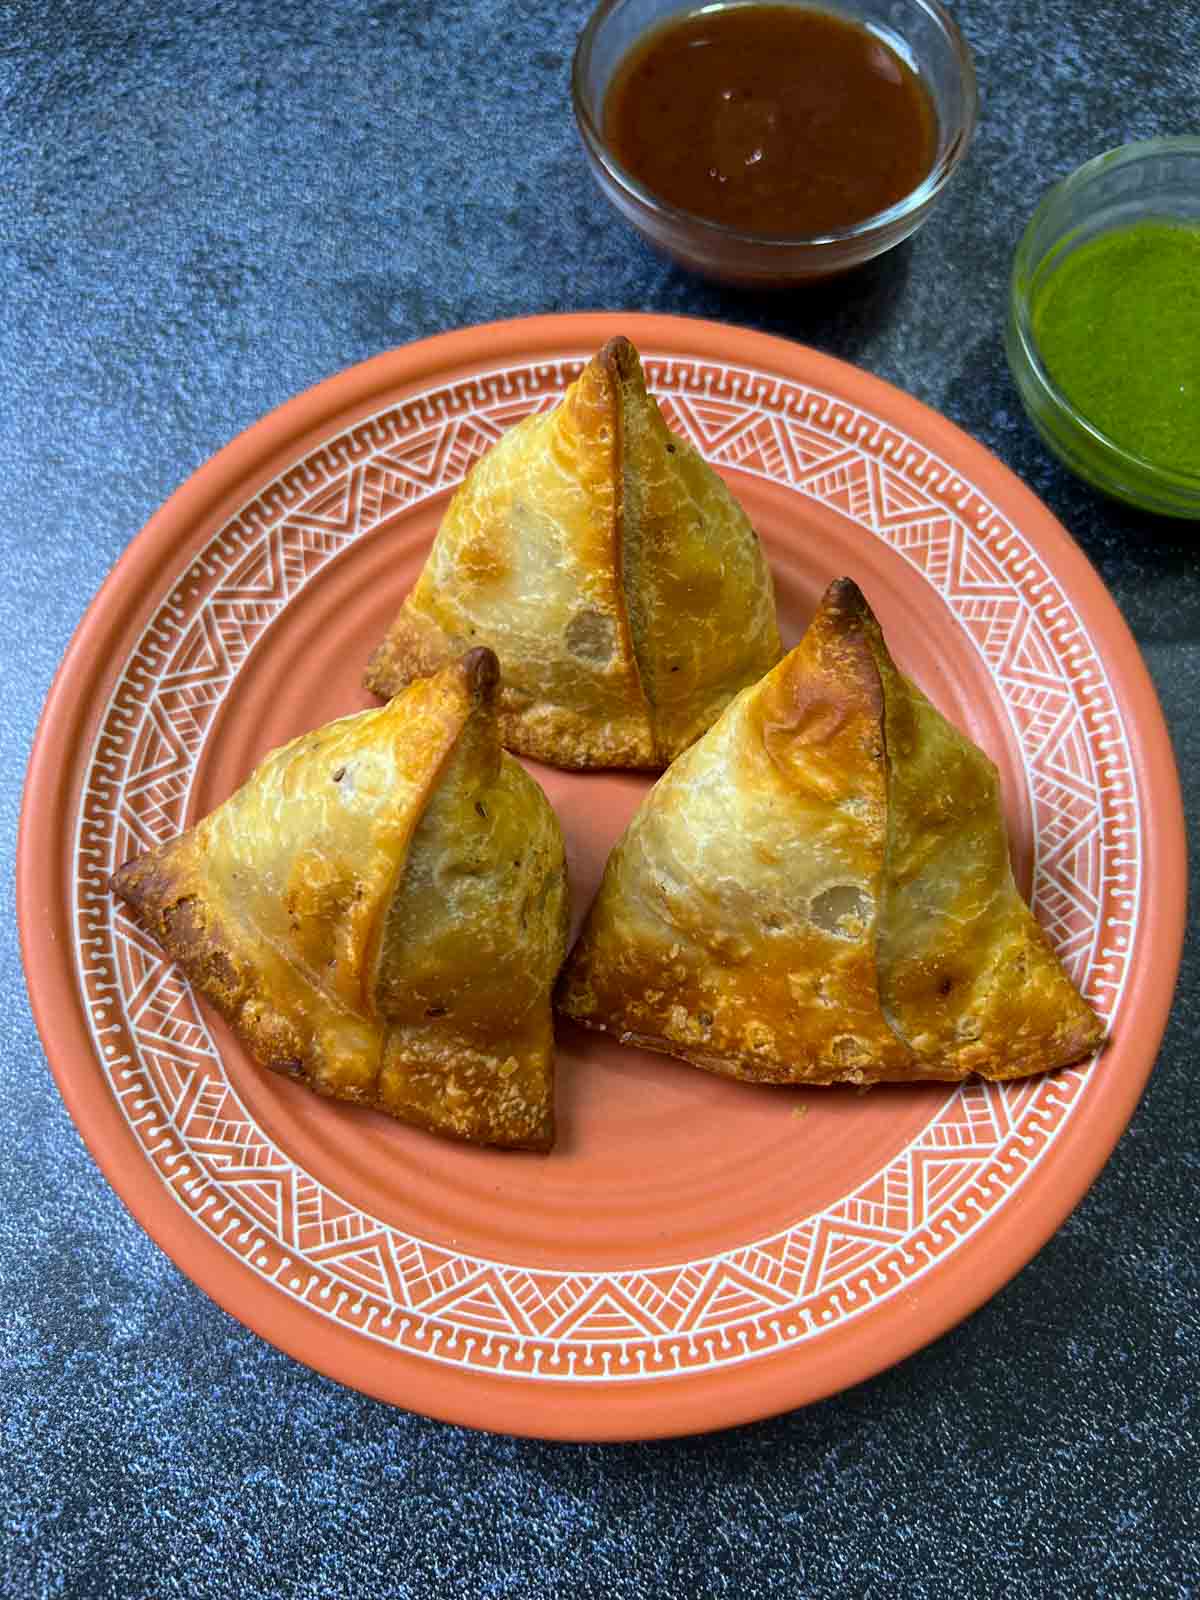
{"points": [[381, 910], [819, 891], [609, 567]]}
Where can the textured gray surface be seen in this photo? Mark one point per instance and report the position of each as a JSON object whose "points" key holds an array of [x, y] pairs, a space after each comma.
{"points": [[204, 212]]}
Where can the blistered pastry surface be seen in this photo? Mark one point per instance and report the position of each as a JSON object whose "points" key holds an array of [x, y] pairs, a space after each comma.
{"points": [[639, 1320]]}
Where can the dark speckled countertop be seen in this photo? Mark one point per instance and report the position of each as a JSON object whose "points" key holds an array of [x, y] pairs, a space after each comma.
{"points": [[207, 208]]}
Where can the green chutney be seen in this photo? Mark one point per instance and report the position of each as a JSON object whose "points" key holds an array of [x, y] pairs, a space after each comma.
{"points": [[1117, 323]]}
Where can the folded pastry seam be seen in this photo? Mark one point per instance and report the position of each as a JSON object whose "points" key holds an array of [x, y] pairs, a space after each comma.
{"points": [[381, 909], [611, 569], [820, 891]]}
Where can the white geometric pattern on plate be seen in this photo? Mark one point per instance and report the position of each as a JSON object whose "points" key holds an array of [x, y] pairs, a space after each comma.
{"points": [[635, 1322]]}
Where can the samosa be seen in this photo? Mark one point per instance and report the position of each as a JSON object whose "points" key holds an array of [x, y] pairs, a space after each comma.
{"points": [[820, 891], [381, 910], [609, 567]]}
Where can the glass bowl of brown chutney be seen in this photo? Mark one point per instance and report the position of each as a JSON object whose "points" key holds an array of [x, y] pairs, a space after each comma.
{"points": [[766, 143]]}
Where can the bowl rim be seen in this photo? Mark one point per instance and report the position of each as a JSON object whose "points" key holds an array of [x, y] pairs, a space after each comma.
{"points": [[1133, 467], [922, 195]]}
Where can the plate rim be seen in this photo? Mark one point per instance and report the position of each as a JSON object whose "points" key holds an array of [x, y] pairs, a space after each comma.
{"points": [[703, 1401]]}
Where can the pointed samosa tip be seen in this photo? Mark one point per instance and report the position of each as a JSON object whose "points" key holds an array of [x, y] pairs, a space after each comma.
{"points": [[481, 672]]}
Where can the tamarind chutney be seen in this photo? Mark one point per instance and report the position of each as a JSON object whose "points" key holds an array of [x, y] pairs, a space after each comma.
{"points": [[779, 120]]}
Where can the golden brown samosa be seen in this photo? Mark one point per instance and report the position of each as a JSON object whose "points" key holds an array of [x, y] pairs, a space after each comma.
{"points": [[819, 891], [381, 910], [611, 570]]}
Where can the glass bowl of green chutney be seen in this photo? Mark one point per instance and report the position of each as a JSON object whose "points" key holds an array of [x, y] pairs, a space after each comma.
{"points": [[1104, 323]]}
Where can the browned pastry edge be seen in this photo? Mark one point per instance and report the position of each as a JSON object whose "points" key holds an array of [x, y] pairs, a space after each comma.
{"points": [[208, 953], [416, 646], [203, 952], [856, 638], [748, 1069]]}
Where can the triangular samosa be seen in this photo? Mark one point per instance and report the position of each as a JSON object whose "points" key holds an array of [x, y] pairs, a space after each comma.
{"points": [[820, 891], [609, 567], [381, 910]]}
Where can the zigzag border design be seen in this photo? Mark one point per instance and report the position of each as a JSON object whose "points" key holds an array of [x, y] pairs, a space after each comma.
{"points": [[634, 1323]]}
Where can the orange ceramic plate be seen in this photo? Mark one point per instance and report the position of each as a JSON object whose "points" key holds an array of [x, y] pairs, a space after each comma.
{"points": [[695, 1252]]}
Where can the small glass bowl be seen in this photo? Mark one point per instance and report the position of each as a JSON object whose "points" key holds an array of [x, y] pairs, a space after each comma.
{"points": [[921, 32], [1155, 179]]}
